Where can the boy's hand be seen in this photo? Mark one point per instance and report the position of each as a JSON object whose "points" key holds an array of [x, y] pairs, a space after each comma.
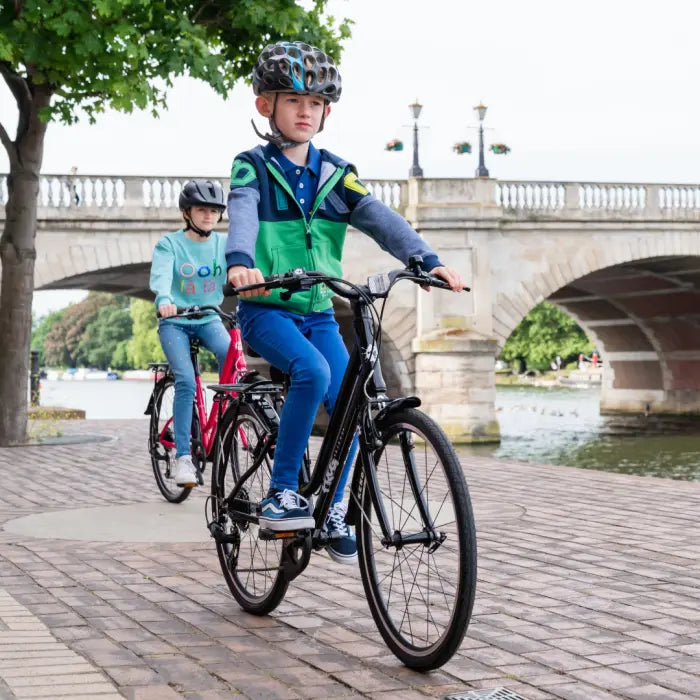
{"points": [[239, 275], [452, 277], [166, 310]]}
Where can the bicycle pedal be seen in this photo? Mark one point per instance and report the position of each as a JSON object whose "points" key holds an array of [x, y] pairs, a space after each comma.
{"points": [[265, 534]]}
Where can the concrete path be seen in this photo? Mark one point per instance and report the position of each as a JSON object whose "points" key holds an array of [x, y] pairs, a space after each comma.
{"points": [[589, 589]]}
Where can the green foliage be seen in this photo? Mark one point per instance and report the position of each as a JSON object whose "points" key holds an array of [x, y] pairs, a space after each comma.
{"points": [[542, 335], [122, 54], [66, 341], [144, 346], [41, 328], [120, 356], [102, 336]]}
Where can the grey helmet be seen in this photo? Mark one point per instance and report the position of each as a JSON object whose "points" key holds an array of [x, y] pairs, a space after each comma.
{"points": [[293, 66], [202, 193]]}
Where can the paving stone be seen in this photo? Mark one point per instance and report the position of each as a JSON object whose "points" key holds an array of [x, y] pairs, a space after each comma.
{"points": [[588, 588]]}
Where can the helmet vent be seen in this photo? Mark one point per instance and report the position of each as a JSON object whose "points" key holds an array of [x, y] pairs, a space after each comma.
{"points": [[295, 66]]}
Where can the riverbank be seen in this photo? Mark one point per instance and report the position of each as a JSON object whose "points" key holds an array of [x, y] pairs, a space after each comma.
{"points": [[577, 378]]}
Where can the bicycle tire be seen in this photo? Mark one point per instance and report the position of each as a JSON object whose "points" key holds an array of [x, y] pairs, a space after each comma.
{"points": [[251, 566], [446, 589], [162, 457]]}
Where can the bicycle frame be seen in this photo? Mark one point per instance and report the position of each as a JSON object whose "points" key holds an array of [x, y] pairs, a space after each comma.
{"points": [[234, 367], [363, 374], [362, 392]]}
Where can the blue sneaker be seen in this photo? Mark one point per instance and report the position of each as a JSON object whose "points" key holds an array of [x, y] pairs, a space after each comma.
{"points": [[284, 510], [342, 546]]}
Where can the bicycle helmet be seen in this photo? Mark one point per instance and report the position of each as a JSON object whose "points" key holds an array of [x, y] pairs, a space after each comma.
{"points": [[293, 66], [201, 193]]}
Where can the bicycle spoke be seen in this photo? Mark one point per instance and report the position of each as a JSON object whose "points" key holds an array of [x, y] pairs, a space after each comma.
{"points": [[420, 598]]}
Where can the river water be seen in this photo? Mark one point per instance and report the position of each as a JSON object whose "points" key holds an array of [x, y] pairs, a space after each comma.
{"points": [[555, 425]]}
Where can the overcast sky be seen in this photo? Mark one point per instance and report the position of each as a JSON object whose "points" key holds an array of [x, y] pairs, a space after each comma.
{"points": [[596, 90]]}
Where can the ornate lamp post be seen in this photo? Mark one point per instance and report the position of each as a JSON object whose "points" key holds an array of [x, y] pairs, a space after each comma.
{"points": [[481, 171], [416, 170]]}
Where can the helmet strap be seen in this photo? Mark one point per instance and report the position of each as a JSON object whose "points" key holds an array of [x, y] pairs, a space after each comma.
{"points": [[191, 226], [277, 137]]}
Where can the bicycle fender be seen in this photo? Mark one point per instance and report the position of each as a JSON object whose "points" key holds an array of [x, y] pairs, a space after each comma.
{"points": [[152, 398], [396, 405]]}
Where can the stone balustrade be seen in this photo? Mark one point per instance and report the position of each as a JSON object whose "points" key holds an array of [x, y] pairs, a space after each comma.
{"points": [[513, 196], [597, 198], [151, 192]]}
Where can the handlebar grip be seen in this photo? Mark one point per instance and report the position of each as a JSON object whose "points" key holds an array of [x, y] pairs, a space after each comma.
{"points": [[271, 281], [442, 284], [178, 310]]}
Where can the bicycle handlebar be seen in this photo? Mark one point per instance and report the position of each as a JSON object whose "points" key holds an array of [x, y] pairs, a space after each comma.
{"points": [[197, 312], [378, 286]]}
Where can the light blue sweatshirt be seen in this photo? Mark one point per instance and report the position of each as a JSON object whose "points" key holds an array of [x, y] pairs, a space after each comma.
{"points": [[185, 272]]}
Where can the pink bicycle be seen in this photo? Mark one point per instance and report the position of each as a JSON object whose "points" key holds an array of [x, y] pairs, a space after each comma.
{"points": [[161, 435]]}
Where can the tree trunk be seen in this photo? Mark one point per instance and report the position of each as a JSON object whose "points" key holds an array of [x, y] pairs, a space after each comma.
{"points": [[17, 255]]}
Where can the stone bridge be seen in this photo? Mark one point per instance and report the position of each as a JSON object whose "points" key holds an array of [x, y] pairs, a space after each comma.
{"points": [[622, 259]]}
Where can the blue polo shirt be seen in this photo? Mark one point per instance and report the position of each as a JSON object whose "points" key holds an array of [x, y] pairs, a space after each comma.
{"points": [[302, 179]]}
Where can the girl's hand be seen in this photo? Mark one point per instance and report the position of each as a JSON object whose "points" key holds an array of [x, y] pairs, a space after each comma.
{"points": [[166, 310], [238, 276], [452, 277]]}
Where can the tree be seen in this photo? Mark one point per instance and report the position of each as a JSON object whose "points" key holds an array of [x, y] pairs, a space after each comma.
{"points": [[144, 346], [63, 59], [41, 330], [542, 335], [102, 336], [62, 342]]}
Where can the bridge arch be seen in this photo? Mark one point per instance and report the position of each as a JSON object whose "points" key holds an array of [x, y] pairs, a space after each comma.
{"points": [[640, 304]]}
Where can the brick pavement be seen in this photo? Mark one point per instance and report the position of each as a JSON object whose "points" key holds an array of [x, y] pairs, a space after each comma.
{"points": [[589, 589]]}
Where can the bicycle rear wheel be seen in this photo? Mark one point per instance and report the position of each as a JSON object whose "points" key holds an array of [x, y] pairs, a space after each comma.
{"points": [[161, 442], [421, 594], [251, 566]]}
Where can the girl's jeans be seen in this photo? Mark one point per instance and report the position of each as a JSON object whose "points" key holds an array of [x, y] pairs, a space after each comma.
{"points": [[311, 350], [175, 339]]}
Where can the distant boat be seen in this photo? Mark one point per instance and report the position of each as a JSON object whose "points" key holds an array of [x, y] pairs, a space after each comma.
{"points": [[100, 374]]}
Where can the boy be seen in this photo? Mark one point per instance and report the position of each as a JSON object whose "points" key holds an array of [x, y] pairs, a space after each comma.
{"points": [[188, 268], [289, 206]]}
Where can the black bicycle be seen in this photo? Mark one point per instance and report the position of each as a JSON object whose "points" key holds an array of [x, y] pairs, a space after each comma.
{"points": [[409, 500]]}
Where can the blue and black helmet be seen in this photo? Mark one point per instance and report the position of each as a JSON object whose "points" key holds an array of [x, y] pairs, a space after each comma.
{"points": [[293, 66]]}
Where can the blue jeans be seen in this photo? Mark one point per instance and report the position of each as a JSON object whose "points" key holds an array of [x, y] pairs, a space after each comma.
{"points": [[175, 339], [310, 349]]}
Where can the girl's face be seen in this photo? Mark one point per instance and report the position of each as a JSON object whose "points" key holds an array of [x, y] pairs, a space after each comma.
{"points": [[298, 117], [204, 218]]}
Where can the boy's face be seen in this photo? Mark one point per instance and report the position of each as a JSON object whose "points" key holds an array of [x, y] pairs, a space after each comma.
{"points": [[298, 117]]}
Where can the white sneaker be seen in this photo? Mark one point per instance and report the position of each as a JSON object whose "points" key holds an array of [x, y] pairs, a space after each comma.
{"points": [[185, 473]]}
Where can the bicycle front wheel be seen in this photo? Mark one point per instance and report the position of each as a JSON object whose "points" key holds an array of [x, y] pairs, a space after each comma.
{"points": [[420, 593], [161, 442], [251, 566]]}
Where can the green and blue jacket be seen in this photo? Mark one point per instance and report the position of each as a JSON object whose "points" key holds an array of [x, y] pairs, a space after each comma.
{"points": [[269, 229]]}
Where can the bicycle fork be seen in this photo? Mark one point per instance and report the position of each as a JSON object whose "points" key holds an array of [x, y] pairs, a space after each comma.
{"points": [[366, 477]]}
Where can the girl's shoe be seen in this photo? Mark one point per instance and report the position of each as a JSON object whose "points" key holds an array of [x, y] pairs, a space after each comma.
{"points": [[185, 473]]}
